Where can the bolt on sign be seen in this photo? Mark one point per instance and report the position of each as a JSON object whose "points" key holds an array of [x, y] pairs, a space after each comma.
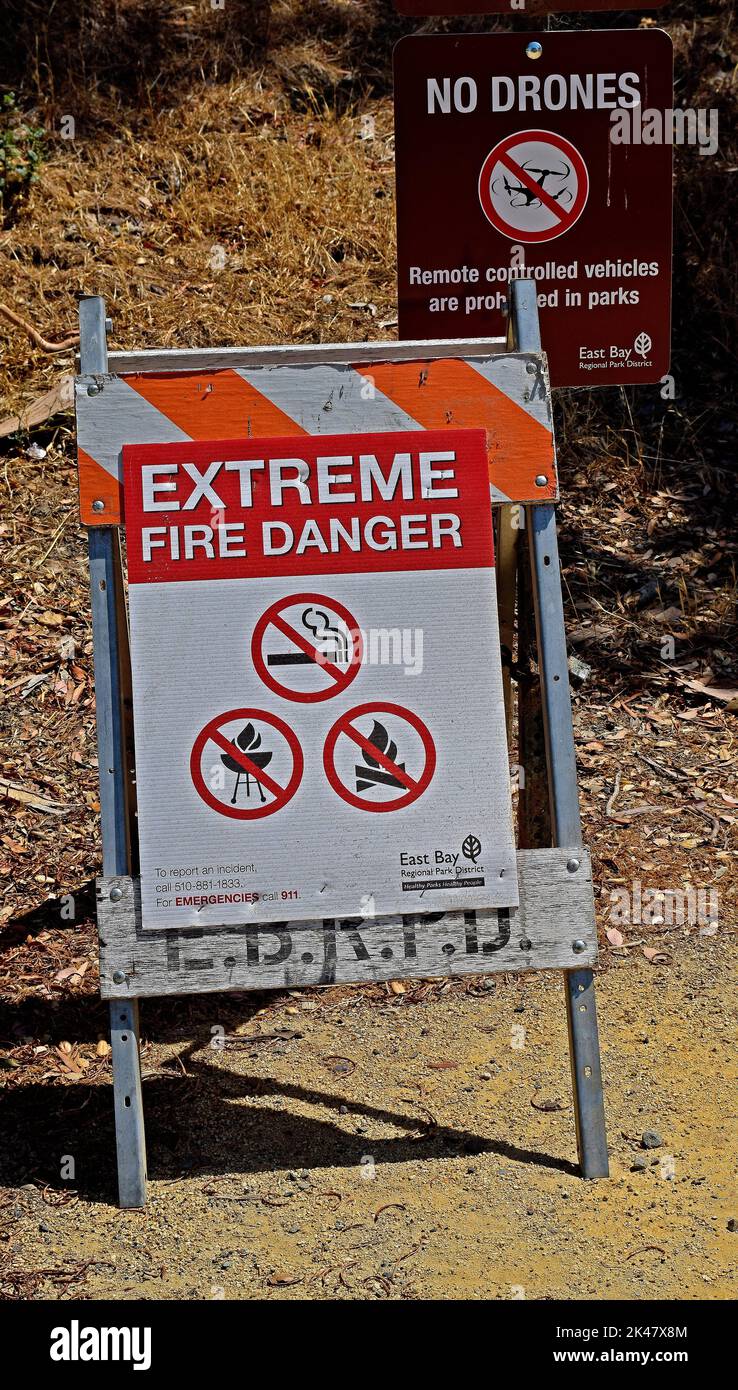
{"points": [[550, 150], [318, 707]]}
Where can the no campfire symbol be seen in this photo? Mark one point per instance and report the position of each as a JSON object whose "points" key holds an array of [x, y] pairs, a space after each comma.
{"points": [[397, 762]]}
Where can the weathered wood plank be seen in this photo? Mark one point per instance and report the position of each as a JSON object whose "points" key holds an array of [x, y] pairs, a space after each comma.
{"points": [[556, 910], [214, 359]]}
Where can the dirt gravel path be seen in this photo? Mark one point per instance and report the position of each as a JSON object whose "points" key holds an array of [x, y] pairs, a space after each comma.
{"points": [[416, 1150]]}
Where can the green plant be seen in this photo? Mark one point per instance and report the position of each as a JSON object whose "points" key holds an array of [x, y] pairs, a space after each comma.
{"points": [[21, 151]]}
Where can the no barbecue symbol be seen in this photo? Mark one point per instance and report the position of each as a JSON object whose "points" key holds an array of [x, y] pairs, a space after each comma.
{"points": [[229, 760], [533, 186], [307, 647], [390, 743]]}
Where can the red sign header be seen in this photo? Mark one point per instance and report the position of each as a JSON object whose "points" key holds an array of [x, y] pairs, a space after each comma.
{"points": [[327, 504]]}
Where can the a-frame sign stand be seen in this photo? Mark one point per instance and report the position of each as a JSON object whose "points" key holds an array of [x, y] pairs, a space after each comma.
{"points": [[554, 926]]}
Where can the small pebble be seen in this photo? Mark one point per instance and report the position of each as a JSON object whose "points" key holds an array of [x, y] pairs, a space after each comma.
{"points": [[650, 1139], [485, 1076], [733, 1223], [639, 1164]]}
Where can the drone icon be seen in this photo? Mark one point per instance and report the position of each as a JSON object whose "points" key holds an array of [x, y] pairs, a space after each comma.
{"points": [[521, 196]]}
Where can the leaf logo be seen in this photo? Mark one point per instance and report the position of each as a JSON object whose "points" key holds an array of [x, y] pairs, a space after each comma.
{"points": [[471, 848], [642, 344]]}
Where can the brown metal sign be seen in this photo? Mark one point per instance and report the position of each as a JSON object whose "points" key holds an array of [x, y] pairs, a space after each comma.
{"points": [[545, 156], [521, 8]]}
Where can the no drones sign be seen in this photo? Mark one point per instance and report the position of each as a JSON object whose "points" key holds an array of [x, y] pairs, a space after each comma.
{"points": [[546, 149]]}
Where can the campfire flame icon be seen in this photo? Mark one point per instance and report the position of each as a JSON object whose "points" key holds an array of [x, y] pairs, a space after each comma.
{"points": [[371, 774], [249, 741]]}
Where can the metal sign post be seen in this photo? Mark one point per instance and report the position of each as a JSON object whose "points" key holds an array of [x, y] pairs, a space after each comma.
{"points": [[368, 389], [110, 644]]}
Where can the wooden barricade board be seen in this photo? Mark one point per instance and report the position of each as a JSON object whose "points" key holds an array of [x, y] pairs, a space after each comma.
{"points": [[552, 929], [486, 405]]}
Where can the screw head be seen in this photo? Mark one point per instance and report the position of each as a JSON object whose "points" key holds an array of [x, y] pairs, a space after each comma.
{"points": [[525, 944], [93, 389], [534, 49], [541, 480], [572, 865], [578, 946], [116, 894], [98, 505], [119, 977]]}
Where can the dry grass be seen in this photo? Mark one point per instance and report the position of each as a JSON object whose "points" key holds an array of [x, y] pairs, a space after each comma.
{"points": [[218, 191], [258, 232]]}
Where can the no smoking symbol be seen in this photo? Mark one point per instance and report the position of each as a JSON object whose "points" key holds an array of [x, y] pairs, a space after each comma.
{"points": [[364, 763], [307, 647], [533, 186], [248, 741]]}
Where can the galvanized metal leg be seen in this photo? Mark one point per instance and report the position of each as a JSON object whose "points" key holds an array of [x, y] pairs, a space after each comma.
{"points": [[110, 638], [534, 815], [506, 572], [130, 1137], [561, 759], [584, 1047], [104, 552], [566, 826]]}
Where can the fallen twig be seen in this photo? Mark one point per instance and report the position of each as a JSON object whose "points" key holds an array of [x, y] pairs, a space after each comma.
{"points": [[614, 797], [44, 343], [15, 792]]}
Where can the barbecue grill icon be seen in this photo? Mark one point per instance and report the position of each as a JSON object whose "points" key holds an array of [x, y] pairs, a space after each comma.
{"points": [[371, 773], [331, 641], [249, 741]]}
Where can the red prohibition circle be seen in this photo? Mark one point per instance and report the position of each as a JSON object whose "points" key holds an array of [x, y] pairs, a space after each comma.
{"points": [[501, 152], [212, 729], [338, 682], [375, 707]]}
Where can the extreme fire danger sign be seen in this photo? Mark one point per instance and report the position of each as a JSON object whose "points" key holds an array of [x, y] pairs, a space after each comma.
{"points": [[316, 676], [554, 152]]}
